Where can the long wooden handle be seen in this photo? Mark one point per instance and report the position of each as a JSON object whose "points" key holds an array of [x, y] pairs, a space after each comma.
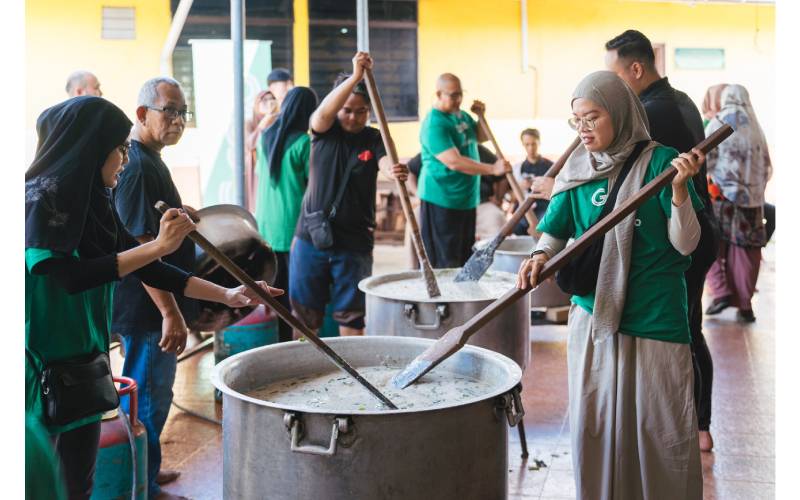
{"points": [[276, 306], [556, 167], [408, 211], [518, 194], [586, 239], [511, 223]]}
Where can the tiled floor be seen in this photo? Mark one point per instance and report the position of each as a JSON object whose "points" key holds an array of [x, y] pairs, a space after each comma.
{"points": [[741, 467]]}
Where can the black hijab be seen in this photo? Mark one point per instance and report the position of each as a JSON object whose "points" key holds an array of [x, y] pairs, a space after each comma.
{"points": [[296, 110], [67, 207]]}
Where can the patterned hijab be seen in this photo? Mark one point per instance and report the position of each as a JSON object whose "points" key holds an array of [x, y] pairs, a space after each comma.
{"points": [[741, 165], [67, 206]]}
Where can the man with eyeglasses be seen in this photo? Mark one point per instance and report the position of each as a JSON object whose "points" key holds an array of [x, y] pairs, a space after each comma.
{"points": [[449, 184], [675, 121], [152, 322]]}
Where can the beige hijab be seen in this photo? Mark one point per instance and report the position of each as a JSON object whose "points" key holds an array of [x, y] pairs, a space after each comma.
{"points": [[711, 101], [630, 126]]}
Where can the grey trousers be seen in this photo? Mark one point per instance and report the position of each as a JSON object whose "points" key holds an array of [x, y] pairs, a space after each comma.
{"points": [[632, 417]]}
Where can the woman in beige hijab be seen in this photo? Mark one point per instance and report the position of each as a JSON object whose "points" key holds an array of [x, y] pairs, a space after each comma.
{"points": [[631, 403]]}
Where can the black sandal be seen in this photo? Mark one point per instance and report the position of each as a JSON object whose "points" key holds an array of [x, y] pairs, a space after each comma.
{"points": [[718, 305]]}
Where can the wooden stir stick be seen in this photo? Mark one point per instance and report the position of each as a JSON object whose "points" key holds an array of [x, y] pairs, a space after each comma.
{"points": [[427, 272], [518, 194], [449, 343], [281, 311]]}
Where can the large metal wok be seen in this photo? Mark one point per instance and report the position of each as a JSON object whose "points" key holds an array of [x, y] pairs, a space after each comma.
{"points": [[234, 231]]}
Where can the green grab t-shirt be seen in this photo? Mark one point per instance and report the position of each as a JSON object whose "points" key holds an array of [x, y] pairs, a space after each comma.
{"points": [[278, 203], [437, 183], [42, 469], [655, 304], [59, 326]]}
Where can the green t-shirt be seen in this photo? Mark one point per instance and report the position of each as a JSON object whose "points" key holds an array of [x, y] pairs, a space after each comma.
{"points": [[42, 471], [278, 204], [655, 304], [59, 326], [437, 183]]}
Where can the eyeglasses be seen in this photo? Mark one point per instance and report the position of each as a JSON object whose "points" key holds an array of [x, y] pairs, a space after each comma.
{"points": [[173, 113], [124, 148], [579, 123]]}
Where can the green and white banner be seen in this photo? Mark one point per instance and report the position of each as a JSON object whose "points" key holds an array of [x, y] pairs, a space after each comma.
{"points": [[213, 86]]}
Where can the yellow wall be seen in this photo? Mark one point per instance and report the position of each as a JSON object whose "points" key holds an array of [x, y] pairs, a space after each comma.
{"points": [[481, 42], [63, 36]]}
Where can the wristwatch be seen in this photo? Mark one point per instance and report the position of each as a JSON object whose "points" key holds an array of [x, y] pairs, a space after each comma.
{"points": [[536, 252]]}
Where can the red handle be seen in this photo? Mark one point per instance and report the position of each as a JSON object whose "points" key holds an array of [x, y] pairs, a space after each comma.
{"points": [[132, 390]]}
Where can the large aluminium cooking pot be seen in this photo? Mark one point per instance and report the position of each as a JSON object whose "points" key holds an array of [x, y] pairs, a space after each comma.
{"points": [[509, 256], [234, 231], [429, 318], [444, 452]]}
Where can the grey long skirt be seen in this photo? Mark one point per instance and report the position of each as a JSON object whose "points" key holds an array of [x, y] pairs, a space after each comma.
{"points": [[632, 417]]}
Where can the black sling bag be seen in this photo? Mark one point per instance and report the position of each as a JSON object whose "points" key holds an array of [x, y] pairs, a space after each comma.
{"points": [[579, 275]]}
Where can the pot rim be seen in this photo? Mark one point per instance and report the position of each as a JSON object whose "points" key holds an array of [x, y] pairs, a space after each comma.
{"points": [[510, 366], [368, 284], [514, 253]]}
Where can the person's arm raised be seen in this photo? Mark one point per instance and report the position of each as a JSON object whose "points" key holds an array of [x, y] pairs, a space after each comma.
{"points": [[322, 119], [456, 161]]}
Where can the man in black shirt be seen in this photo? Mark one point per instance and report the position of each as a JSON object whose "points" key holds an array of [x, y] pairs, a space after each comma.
{"points": [[152, 322], [343, 150], [676, 122], [533, 166]]}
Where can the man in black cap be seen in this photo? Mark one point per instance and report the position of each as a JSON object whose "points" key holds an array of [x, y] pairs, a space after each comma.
{"points": [[676, 122], [279, 83]]}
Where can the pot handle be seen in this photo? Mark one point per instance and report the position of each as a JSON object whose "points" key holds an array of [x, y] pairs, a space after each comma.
{"points": [[410, 312], [293, 424], [511, 403]]}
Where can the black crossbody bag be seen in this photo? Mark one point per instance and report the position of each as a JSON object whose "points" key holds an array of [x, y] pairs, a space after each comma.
{"points": [[76, 388], [318, 223], [579, 275]]}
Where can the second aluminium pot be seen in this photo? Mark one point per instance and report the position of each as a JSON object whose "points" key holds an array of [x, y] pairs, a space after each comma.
{"points": [[387, 314]]}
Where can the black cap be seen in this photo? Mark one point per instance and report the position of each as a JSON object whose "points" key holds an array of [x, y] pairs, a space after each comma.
{"points": [[279, 75]]}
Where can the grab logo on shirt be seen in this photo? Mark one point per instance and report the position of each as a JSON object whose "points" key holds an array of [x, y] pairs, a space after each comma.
{"points": [[599, 197], [365, 155]]}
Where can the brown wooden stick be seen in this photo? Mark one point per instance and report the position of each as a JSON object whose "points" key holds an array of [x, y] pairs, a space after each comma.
{"points": [[454, 339], [518, 194], [556, 167], [391, 150], [276, 306]]}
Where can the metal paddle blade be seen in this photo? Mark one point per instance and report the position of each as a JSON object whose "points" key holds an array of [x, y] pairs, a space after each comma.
{"points": [[478, 263], [442, 349]]}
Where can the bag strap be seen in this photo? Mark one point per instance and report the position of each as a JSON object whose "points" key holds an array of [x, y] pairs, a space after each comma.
{"points": [[340, 192], [611, 199]]}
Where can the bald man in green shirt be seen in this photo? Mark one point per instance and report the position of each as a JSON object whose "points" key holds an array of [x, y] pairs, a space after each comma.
{"points": [[449, 183]]}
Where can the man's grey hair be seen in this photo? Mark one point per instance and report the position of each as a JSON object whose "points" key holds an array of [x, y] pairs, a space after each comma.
{"points": [[77, 80], [149, 92]]}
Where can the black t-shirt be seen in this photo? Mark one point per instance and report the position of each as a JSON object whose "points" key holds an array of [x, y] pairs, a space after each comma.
{"points": [[675, 122], [146, 180], [331, 153]]}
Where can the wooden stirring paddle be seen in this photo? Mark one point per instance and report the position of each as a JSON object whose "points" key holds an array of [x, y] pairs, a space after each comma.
{"points": [[454, 339], [427, 272], [482, 258], [281, 311]]}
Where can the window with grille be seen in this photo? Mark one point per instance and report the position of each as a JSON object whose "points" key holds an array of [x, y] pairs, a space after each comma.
{"points": [[393, 45], [119, 23]]}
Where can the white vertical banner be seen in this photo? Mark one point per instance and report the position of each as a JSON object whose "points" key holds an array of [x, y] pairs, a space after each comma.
{"points": [[212, 61]]}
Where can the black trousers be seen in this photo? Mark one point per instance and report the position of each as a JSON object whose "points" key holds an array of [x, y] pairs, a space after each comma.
{"points": [[77, 452], [447, 234], [282, 282], [702, 259]]}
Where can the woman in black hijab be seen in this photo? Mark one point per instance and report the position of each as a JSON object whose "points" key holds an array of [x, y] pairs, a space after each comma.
{"points": [[75, 250], [282, 168]]}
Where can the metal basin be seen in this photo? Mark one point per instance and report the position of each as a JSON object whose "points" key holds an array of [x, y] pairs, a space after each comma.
{"points": [[509, 256], [507, 334], [297, 452], [233, 230]]}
